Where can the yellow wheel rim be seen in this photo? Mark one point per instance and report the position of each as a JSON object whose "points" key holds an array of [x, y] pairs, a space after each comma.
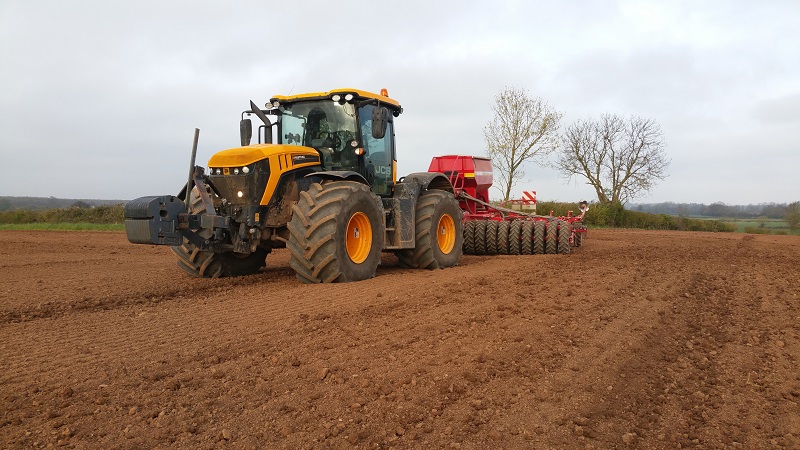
{"points": [[446, 234], [359, 237]]}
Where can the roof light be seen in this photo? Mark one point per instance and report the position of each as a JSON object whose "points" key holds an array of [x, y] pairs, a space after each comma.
{"points": [[349, 97], [336, 97], [385, 92]]}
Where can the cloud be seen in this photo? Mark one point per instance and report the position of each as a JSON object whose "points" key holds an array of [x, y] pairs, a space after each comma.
{"points": [[100, 99], [781, 110]]}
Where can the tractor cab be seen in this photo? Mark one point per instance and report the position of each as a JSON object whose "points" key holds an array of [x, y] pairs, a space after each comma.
{"points": [[352, 131]]}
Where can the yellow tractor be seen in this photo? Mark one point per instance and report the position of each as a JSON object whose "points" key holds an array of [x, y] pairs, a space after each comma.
{"points": [[321, 181]]}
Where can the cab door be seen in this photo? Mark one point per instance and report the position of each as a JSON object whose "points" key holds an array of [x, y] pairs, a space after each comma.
{"points": [[379, 154]]}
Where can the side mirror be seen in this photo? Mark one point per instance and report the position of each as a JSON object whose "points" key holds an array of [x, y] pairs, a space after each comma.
{"points": [[245, 131], [379, 118]]}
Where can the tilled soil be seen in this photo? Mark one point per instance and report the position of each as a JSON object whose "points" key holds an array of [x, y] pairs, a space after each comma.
{"points": [[638, 339]]}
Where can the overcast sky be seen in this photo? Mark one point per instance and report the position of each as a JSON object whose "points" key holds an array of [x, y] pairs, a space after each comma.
{"points": [[99, 99]]}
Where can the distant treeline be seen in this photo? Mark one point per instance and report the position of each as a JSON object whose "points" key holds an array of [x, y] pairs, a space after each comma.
{"points": [[617, 216], [718, 209], [108, 214], [43, 203]]}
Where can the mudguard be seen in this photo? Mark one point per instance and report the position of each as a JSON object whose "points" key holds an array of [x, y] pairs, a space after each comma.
{"points": [[346, 175], [420, 181]]}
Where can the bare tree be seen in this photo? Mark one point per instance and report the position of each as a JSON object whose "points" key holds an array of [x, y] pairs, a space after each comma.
{"points": [[620, 158], [522, 129]]}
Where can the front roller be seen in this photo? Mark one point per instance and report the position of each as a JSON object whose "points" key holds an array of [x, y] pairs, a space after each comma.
{"points": [[336, 233], [439, 232]]}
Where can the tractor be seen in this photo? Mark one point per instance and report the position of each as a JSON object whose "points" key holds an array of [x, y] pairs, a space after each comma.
{"points": [[321, 181]]}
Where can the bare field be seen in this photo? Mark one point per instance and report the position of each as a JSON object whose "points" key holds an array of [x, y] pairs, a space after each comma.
{"points": [[639, 339]]}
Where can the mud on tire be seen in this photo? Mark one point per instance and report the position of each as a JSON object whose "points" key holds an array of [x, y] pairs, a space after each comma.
{"points": [[321, 249], [439, 234], [205, 264]]}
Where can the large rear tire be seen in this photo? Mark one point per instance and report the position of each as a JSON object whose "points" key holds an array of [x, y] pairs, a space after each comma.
{"points": [[336, 233], [438, 232], [205, 264]]}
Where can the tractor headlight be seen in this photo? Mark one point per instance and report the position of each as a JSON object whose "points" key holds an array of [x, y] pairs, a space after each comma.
{"points": [[348, 97], [336, 97], [244, 170]]}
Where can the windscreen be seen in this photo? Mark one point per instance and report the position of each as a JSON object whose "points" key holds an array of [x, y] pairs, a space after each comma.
{"points": [[326, 126]]}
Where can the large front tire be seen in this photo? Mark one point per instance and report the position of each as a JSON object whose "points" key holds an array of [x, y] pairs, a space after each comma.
{"points": [[439, 233], [336, 233], [205, 264]]}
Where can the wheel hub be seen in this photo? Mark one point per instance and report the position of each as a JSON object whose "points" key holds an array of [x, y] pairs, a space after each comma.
{"points": [[359, 237], [446, 234]]}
